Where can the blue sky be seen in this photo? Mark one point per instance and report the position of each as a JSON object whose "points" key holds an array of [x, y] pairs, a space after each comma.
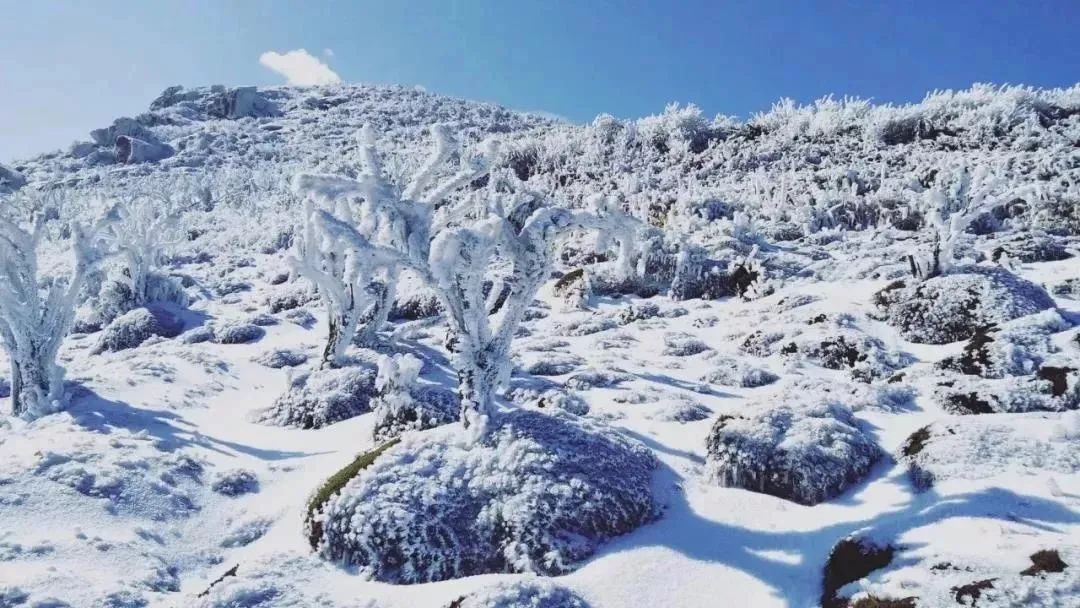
{"points": [[68, 67]]}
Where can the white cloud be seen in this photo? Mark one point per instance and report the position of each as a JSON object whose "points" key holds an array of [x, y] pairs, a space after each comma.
{"points": [[329, 52], [299, 67]]}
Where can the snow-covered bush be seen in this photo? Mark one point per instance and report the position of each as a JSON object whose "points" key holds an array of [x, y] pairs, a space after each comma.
{"points": [[235, 482], [529, 593], [991, 446], [543, 394], [36, 312], [951, 307], [537, 493], [317, 398], [132, 328], [803, 450], [143, 232], [277, 358], [237, 333], [731, 371], [403, 404]]}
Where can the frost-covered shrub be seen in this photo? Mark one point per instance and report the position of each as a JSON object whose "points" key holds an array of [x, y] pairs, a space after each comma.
{"points": [[597, 378], [1015, 348], [135, 327], [1030, 248], [991, 446], [730, 371], [263, 319], [801, 450], [237, 333], [544, 394], [288, 298], [683, 345], [5, 388], [549, 363], [198, 335], [277, 358], [534, 593], [317, 398], [1052, 389], [951, 307], [638, 312], [403, 404], [536, 493], [246, 532], [682, 412], [865, 356], [235, 482]]}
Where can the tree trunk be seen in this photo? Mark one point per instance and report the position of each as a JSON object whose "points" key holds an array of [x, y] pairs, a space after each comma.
{"points": [[31, 385], [476, 386]]}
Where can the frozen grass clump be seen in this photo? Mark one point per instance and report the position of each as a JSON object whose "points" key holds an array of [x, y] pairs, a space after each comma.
{"points": [[235, 482], [277, 358], [237, 333], [536, 493], [683, 345], [866, 357], [544, 394], [802, 450], [1052, 389], [597, 378], [1016, 348], [132, 328], [730, 371], [246, 532], [985, 447], [540, 363], [402, 403], [530, 593], [952, 307], [317, 398]]}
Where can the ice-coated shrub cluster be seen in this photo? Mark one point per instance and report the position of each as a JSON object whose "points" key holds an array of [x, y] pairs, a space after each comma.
{"points": [[401, 403], [317, 398], [135, 327], [544, 394], [867, 357], [802, 447], [731, 371], [951, 307], [989, 446], [235, 482], [537, 493], [529, 593], [277, 358]]}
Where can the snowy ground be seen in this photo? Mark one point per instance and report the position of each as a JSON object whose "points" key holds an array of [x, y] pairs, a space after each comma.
{"points": [[111, 502]]}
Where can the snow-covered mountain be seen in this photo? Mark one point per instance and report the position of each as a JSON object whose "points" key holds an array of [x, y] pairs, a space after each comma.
{"points": [[826, 355]]}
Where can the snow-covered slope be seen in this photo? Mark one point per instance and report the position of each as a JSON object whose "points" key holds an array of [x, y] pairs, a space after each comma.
{"points": [[162, 475]]}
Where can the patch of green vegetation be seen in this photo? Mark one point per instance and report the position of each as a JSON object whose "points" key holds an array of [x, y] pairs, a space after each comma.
{"points": [[333, 485]]}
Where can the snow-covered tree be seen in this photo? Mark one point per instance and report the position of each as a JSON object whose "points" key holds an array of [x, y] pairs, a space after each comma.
{"points": [[142, 233], [384, 214], [36, 312], [459, 249], [342, 263]]}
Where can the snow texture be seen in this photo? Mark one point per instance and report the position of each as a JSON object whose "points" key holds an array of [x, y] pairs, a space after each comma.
{"points": [[317, 398], [798, 449], [537, 493]]}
